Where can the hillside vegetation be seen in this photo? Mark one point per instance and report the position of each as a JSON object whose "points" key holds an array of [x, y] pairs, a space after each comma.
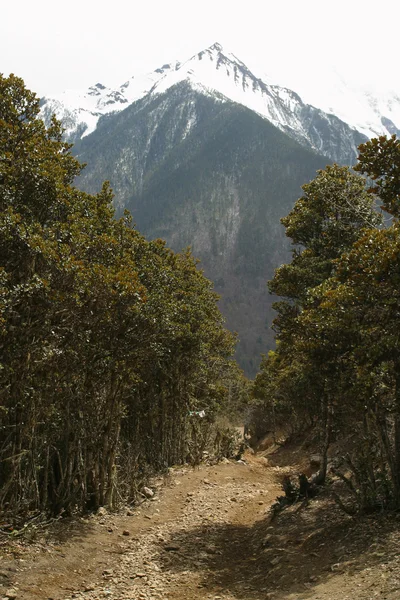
{"points": [[336, 367], [110, 345]]}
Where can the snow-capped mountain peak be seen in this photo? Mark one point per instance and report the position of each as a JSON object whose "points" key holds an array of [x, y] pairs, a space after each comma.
{"points": [[213, 69], [219, 73], [217, 51]]}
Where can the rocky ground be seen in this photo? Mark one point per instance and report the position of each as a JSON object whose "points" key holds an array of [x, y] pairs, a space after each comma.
{"points": [[208, 534]]}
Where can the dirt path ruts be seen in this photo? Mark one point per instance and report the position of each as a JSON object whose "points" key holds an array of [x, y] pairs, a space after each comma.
{"points": [[192, 522], [208, 535]]}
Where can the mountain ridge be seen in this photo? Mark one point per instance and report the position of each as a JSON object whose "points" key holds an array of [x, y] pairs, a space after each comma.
{"points": [[219, 74]]}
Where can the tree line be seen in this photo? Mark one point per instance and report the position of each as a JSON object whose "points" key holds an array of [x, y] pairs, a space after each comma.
{"points": [[109, 343], [336, 367]]}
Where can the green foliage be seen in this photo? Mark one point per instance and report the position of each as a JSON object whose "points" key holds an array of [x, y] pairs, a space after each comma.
{"points": [[345, 329], [297, 379], [107, 341], [380, 159], [356, 326]]}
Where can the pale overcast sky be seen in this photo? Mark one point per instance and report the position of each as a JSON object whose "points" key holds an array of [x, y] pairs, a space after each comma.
{"points": [[73, 44]]}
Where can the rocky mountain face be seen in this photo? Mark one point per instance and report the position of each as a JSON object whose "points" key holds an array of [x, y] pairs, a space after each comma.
{"points": [[207, 155]]}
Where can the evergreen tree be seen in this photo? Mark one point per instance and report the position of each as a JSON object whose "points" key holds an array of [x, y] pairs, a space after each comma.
{"points": [[325, 222], [344, 332], [107, 341]]}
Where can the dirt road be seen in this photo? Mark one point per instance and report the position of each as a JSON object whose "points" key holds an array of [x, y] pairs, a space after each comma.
{"points": [[207, 534]]}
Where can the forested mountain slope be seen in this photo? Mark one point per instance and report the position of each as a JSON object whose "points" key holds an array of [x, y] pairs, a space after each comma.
{"points": [[213, 175]]}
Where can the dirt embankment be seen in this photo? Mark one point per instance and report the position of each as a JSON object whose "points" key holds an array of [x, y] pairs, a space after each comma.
{"points": [[208, 534]]}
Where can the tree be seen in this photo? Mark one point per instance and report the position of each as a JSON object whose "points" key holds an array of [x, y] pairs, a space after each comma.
{"points": [[357, 323], [380, 159], [325, 222], [349, 329], [107, 341]]}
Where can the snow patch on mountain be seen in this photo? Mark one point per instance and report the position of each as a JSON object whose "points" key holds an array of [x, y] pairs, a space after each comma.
{"points": [[360, 105], [140, 85], [80, 111]]}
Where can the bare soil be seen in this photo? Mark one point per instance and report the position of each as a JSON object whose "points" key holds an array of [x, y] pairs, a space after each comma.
{"points": [[208, 534]]}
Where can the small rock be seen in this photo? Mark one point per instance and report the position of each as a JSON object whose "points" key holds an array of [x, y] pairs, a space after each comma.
{"points": [[11, 594], [107, 573], [126, 532], [172, 547], [102, 511], [315, 460], [267, 540], [148, 492]]}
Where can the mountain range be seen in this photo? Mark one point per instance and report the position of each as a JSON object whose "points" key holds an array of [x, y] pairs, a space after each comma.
{"points": [[205, 153], [214, 71]]}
